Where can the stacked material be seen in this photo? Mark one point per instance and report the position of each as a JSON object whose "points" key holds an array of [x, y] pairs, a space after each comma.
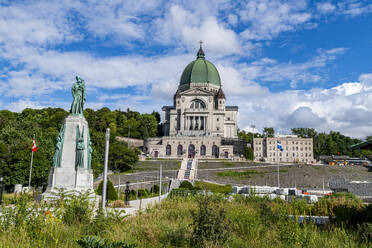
{"points": [[288, 194], [254, 190]]}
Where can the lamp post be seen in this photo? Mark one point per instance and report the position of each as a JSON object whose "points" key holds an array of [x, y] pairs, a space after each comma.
{"points": [[253, 127], [104, 186], [128, 134], [1, 188]]}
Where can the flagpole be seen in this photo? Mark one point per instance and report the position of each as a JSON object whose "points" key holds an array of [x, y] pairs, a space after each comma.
{"points": [[277, 160], [29, 178]]}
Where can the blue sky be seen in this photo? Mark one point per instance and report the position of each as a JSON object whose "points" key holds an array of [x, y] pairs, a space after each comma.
{"points": [[284, 63]]}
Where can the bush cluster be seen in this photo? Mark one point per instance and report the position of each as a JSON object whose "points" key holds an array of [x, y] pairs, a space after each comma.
{"points": [[111, 192]]}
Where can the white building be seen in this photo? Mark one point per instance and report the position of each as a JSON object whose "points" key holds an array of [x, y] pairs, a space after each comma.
{"points": [[295, 149]]}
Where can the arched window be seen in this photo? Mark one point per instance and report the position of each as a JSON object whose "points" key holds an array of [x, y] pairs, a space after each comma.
{"points": [[215, 151], [168, 150], [202, 150], [191, 151], [197, 104], [179, 150]]}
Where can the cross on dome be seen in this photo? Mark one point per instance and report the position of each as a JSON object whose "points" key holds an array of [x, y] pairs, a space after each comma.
{"points": [[200, 53]]}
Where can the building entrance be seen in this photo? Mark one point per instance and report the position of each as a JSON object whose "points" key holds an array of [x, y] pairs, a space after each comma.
{"points": [[215, 151], [191, 152]]}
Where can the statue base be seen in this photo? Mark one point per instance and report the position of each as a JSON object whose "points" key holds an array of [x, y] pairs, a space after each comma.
{"points": [[68, 176]]}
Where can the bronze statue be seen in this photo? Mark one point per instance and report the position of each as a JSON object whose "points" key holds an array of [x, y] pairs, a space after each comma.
{"points": [[58, 148], [78, 93], [90, 150], [80, 147]]}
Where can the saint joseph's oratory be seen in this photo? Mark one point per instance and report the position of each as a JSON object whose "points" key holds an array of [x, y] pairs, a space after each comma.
{"points": [[198, 124]]}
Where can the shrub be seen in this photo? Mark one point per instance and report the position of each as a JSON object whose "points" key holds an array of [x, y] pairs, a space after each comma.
{"points": [[215, 188], [155, 189], [97, 242], [210, 224], [186, 185], [143, 192], [78, 209], [329, 204], [365, 232], [111, 192]]}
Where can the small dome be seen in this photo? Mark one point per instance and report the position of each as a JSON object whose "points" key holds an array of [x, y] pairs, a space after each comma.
{"points": [[200, 71]]}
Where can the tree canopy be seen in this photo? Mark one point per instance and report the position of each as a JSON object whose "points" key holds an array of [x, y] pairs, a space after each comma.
{"points": [[17, 130], [333, 143]]}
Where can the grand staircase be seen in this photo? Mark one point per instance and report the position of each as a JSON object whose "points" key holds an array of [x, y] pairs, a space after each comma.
{"points": [[188, 169]]}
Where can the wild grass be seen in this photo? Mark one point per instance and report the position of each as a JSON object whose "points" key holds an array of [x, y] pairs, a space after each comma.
{"points": [[239, 174], [215, 188], [193, 221]]}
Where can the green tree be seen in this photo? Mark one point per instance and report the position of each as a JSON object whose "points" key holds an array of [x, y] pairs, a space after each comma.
{"points": [[304, 132], [122, 158], [248, 153], [111, 192], [268, 132]]}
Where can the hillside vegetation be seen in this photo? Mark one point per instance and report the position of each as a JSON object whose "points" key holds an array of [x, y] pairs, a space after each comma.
{"points": [[194, 221], [17, 130]]}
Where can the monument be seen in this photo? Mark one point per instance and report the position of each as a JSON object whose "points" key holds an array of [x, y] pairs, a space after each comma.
{"points": [[71, 169]]}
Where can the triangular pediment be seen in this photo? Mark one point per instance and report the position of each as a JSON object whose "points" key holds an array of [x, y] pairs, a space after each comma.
{"points": [[196, 92]]}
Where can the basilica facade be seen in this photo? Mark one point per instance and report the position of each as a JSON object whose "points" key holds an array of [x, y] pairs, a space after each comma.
{"points": [[198, 124]]}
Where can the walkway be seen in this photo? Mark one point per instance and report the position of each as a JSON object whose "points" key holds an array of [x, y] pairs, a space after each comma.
{"points": [[136, 204]]}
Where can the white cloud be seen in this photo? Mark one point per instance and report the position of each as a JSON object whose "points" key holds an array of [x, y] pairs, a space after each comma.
{"points": [[354, 8], [22, 104], [326, 7], [31, 32], [184, 28], [304, 117], [269, 18]]}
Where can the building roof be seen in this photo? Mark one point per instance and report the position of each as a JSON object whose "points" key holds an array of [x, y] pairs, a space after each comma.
{"points": [[231, 107], [200, 71], [220, 94], [366, 145], [167, 107]]}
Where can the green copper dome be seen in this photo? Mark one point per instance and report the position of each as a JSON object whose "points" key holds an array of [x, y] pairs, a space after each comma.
{"points": [[200, 71]]}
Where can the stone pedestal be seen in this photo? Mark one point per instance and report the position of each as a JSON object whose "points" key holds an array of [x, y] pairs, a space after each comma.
{"points": [[68, 175]]}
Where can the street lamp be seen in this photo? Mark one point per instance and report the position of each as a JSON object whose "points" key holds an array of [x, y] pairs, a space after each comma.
{"points": [[1, 188], [253, 127], [128, 135]]}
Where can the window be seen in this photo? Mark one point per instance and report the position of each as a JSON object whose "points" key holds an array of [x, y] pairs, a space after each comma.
{"points": [[168, 150], [214, 151], [202, 150], [197, 104], [218, 119], [179, 150]]}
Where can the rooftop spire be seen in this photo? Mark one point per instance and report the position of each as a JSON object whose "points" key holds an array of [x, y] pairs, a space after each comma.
{"points": [[200, 53]]}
